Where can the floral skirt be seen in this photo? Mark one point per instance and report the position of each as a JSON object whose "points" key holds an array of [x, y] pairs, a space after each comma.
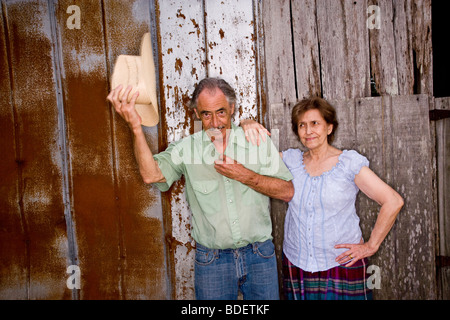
{"points": [[338, 283]]}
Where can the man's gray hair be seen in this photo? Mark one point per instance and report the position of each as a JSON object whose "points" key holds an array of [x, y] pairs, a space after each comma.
{"points": [[212, 84]]}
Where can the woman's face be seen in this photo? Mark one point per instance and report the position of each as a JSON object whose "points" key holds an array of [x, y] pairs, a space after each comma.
{"points": [[313, 130]]}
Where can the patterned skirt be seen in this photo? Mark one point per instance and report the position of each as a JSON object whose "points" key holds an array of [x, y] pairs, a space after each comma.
{"points": [[338, 283]]}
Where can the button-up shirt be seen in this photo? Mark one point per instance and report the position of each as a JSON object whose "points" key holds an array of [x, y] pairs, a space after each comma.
{"points": [[226, 214], [322, 212]]}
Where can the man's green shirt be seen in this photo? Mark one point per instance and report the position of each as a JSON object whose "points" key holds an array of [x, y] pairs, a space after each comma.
{"points": [[226, 214]]}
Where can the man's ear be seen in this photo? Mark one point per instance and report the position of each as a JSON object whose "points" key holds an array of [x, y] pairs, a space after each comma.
{"points": [[196, 113]]}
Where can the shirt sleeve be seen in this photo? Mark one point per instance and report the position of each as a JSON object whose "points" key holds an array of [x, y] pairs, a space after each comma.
{"points": [[292, 158], [354, 163], [272, 164], [171, 165]]}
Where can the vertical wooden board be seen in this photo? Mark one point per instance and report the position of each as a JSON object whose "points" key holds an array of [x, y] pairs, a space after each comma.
{"points": [[183, 64], [96, 216], [382, 49], [139, 205], [13, 262], [443, 169], [231, 50], [412, 178], [280, 72], [344, 48], [403, 53], [357, 54], [280, 93], [306, 46], [345, 136], [278, 54], [369, 142], [400, 157], [420, 14], [41, 228], [370, 114]]}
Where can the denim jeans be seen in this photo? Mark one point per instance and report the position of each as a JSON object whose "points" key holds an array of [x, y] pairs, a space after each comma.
{"points": [[220, 273]]}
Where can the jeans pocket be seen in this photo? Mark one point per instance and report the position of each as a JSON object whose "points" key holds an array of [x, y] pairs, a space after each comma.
{"points": [[265, 249], [204, 256]]}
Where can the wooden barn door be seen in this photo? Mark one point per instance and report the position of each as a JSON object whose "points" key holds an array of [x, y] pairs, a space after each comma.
{"points": [[372, 60]]}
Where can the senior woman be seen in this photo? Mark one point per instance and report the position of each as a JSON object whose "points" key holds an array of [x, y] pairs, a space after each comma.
{"points": [[324, 255]]}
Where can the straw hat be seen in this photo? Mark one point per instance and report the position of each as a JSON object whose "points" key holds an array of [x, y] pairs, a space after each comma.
{"points": [[139, 72]]}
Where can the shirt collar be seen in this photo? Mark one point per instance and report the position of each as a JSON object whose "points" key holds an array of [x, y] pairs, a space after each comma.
{"points": [[236, 136]]}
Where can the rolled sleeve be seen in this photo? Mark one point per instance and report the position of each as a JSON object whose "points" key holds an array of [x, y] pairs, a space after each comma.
{"points": [[171, 166]]}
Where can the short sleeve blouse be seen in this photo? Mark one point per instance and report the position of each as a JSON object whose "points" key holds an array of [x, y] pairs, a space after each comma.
{"points": [[322, 212]]}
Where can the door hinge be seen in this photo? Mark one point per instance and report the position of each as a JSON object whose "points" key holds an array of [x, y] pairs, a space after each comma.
{"points": [[442, 261], [438, 114]]}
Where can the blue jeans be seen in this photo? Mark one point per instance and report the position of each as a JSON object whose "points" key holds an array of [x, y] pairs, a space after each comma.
{"points": [[220, 273]]}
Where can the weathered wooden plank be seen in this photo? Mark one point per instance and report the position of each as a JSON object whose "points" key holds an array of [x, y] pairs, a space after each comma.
{"points": [[96, 214], [402, 158], [145, 270], [369, 134], [383, 59], [412, 21], [344, 48], [412, 178], [373, 120], [306, 46], [280, 72], [33, 210], [443, 169], [405, 71], [280, 93], [345, 136], [422, 47], [183, 62], [231, 50]]}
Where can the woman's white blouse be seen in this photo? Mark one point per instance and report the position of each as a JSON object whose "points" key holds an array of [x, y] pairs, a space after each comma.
{"points": [[322, 212]]}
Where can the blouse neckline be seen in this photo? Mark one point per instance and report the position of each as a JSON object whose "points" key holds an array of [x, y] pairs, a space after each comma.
{"points": [[338, 164]]}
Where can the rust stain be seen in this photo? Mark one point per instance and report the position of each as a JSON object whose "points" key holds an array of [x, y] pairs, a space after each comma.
{"points": [[196, 26], [173, 243], [211, 45], [194, 73], [180, 15], [178, 65], [33, 232]]}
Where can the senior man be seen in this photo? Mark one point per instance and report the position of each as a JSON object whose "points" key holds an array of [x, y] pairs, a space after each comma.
{"points": [[228, 185]]}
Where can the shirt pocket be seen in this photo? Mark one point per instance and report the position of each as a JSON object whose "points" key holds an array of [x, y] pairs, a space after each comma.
{"points": [[207, 194]]}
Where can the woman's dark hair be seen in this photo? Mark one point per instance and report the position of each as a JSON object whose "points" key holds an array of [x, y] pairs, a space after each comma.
{"points": [[326, 110], [212, 84]]}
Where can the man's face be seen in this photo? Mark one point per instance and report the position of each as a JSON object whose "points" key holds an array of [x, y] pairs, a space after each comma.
{"points": [[215, 113]]}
